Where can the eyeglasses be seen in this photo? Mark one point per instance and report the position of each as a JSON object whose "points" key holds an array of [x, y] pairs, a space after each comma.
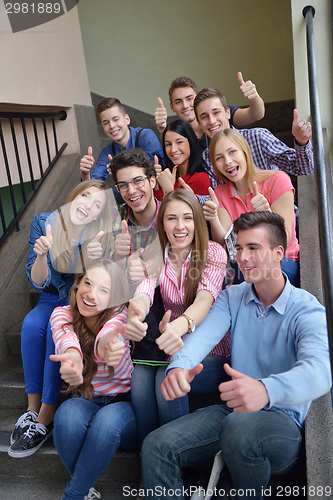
{"points": [[137, 183]]}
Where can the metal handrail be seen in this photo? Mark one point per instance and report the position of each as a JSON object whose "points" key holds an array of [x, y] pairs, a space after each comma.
{"points": [[321, 181], [39, 143]]}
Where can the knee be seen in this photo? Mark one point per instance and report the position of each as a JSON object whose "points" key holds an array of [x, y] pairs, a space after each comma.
{"points": [[239, 435], [156, 446], [34, 326]]}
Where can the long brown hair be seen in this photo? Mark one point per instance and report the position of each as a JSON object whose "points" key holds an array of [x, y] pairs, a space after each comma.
{"points": [[117, 302], [62, 232], [253, 173], [199, 253]]}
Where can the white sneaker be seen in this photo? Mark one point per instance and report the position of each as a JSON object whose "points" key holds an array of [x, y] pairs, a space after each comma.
{"points": [[92, 494]]}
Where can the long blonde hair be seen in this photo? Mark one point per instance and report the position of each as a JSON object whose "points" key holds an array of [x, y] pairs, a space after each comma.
{"points": [[199, 254], [253, 173], [62, 231], [117, 302]]}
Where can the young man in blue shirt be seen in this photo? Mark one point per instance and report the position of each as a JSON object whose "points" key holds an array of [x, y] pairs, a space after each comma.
{"points": [[115, 122], [279, 364]]}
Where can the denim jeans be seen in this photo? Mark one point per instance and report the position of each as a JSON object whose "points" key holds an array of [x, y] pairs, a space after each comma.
{"points": [[253, 445], [41, 375], [150, 407], [86, 434]]}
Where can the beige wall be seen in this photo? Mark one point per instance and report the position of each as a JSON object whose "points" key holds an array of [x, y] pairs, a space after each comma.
{"points": [[135, 49], [44, 68], [323, 46]]}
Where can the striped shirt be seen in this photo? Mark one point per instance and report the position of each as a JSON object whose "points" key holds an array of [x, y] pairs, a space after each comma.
{"points": [[269, 153], [65, 338], [173, 295]]}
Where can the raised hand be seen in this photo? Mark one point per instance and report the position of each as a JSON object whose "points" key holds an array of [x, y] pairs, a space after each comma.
{"points": [[71, 366], [136, 266], [110, 347], [169, 342], [211, 206], [122, 244], [301, 130], [177, 382], [86, 164], [94, 248], [108, 166], [44, 243], [259, 202], [167, 179], [182, 183], [248, 88], [158, 168], [243, 394], [160, 116], [135, 328]]}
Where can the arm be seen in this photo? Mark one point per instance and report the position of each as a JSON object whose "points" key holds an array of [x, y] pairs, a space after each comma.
{"points": [[256, 110], [206, 336], [310, 377], [39, 265], [86, 164], [285, 207], [220, 221]]}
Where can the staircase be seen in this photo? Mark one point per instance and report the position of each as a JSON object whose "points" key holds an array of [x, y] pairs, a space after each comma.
{"points": [[43, 476]]}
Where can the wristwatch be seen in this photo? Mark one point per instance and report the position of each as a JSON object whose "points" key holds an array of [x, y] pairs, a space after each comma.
{"points": [[191, 324]]}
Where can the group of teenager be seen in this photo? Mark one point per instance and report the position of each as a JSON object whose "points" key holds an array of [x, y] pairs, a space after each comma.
{"points": [[136, 310]]}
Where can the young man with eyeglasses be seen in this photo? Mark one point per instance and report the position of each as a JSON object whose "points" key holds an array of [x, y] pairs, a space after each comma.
{"points": [[135, 178], [115, 122]]}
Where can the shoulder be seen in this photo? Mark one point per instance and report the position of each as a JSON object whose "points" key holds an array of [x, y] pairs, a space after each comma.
{"points": [[146, 134], [61, 313], [216, 253]]}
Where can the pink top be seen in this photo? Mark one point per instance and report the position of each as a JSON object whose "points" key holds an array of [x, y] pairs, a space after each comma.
{"points": [[173, 296], [272, 188], [64, 338]]}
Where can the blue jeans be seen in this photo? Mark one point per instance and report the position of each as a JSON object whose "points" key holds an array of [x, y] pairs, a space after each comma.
{"points": [[253, 445], [150, 407], [41, 375], [86, 434]]}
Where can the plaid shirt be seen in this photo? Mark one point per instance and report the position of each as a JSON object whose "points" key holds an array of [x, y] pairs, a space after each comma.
{"points": [[141, 236], [269, 153]]}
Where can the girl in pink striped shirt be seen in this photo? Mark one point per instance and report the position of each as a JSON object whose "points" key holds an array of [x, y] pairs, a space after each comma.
{"points": [[191, 278], [96, 363]]}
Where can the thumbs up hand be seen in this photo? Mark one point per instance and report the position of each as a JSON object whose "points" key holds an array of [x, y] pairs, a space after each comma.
{"points": [[259, 202], [136, 329], [158, 168], [211, 206], [160, 116], [110, 347], [167, 179], [108, 166], [301, 130], [94, 248], [122, 242], [71, 366], [44, 243], [86, 164], [170, 342], [136, 266], [248, 88]]}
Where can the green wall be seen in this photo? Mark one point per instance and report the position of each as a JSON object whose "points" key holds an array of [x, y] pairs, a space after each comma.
{"points": [[134, 49]]}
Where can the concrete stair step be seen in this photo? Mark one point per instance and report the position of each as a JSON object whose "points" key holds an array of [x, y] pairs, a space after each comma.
{"points": [[12, 394], [13, 338]]}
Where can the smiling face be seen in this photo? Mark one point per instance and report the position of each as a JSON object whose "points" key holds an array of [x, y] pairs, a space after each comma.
{"points": [[177, 148], [182, 103], [138, 199], [255, 258], [212, 117], [115, 125], [87, 206], [178, 225], [230, 160], [93, 292]]}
